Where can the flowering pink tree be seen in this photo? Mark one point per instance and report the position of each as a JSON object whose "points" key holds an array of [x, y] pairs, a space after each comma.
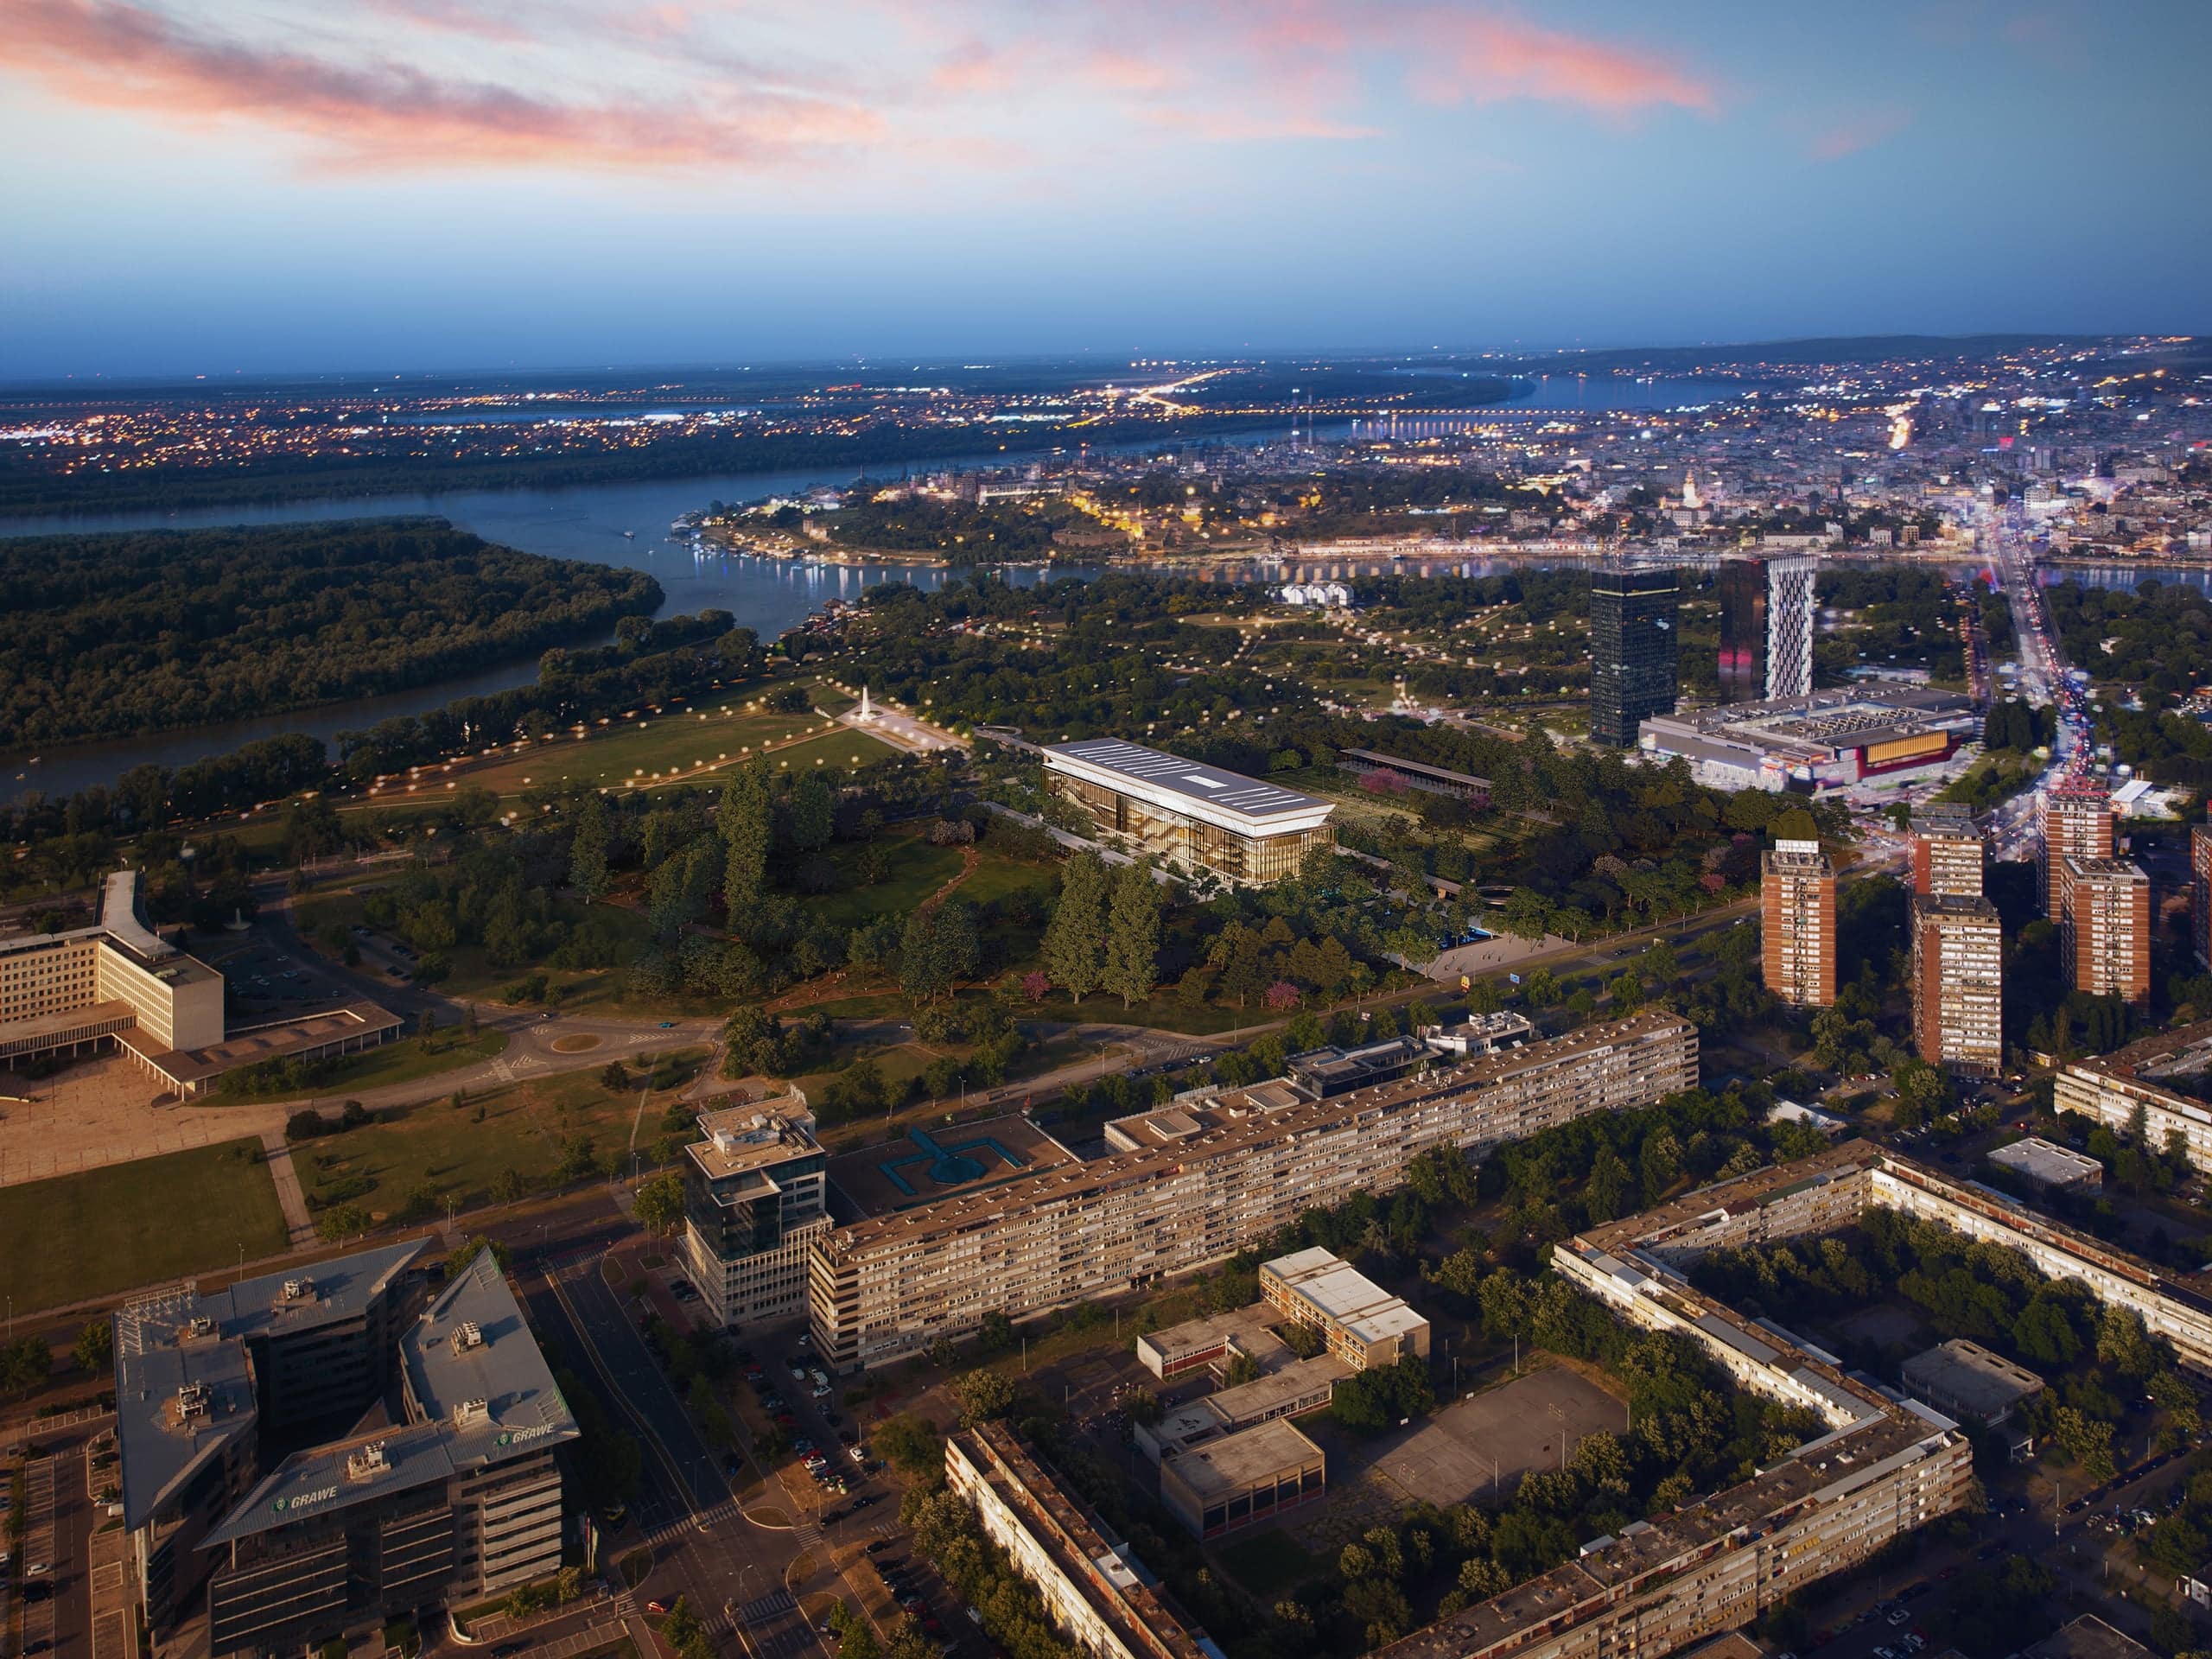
{"points": [[1281, 997], [1383, 782], [1034, 984]]}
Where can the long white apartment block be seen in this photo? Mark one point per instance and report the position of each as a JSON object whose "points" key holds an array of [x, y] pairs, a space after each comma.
{"points": [[1206, 1178], [2144, 1076]]}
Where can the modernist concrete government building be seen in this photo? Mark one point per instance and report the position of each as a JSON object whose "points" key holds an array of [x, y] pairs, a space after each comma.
{"points": [[1192, 818], [118, 984]]}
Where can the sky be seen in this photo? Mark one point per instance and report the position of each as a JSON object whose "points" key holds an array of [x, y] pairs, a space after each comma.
{"points": [[268, 186]]}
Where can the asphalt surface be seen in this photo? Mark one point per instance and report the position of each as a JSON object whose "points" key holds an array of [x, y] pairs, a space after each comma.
{"points": [[703, 1549]]}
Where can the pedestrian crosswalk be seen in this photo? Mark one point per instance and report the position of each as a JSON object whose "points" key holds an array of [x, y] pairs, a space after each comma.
{"points": [[761, 1609], [677, 1526]]}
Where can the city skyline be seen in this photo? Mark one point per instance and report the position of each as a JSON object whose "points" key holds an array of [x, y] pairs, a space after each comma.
{"points": [[461, 184]]}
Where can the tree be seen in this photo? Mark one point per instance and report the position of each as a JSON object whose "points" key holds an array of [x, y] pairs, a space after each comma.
{"points": [[95, 1349], [983, 1395], [341, 1222], [1608, 1178], [813, 815], [587, 850], [614, 1077], [746, 819], [1132, 956], [938, 948], [660, 1203], [24, 1364], [1074, 945], [912, 1443]]}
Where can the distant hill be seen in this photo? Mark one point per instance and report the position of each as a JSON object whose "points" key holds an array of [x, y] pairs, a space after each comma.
{"points": [[1778, 354]]}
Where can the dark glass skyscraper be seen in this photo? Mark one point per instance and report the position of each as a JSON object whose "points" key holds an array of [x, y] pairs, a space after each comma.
{"points": [[1632, 651]]}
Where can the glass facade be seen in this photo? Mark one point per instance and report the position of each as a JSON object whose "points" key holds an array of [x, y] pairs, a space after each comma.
{"points": [[1632, 651], [1190, 843]]}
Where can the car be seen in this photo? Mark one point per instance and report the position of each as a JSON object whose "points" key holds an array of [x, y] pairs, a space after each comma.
{"points": [[733, 1466], [821, 1391], [798, 1372], [831, 1517], [38, 1569], [667, 1025], [785, 1419], [878, 1545], [509, 1650], [656, 1607], [865, 1499], [613, 1515], [857, 1453], [1899, 1614]]}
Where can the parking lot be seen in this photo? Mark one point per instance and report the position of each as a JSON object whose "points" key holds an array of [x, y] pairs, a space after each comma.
{"points": [[263, 981]]}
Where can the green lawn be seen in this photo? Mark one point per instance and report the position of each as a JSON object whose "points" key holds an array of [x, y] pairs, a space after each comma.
{"points": [[917, 870], [400, 1062], [452, 1152], [997, 875], [160, 1218]]}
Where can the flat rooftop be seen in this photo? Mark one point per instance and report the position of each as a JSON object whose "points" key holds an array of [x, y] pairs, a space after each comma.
{"points": [[1343, 1294], [2087, 1637], [1103, 1571], [176, 1341], [1246, 1327], [756, 1137], [2125, 869], [270, 1042], [1191, 1115], [1969, 1376], [1191, 780], [961, 1210], [945, 1162], [479, 1393], [2047, 1162], [1271, 1394], [1236, 1462]]}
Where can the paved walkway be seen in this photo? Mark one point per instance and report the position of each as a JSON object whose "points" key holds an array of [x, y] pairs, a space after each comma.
{"points": [[287, 1186], [101, 1112], [900, 731]]}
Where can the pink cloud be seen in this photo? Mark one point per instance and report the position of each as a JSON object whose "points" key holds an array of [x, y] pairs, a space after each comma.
{"points": [[394, 116], [1485, 59], [1854, 133], [1230, 126]]}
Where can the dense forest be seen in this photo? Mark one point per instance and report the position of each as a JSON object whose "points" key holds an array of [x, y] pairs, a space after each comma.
{"points": [[672, 659], [113, 635]]}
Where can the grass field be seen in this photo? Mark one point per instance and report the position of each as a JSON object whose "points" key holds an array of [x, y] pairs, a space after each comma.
{"points": [[401, 1062], [137, 1223], [917, 870], [459, 1152], [653, 746]]}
